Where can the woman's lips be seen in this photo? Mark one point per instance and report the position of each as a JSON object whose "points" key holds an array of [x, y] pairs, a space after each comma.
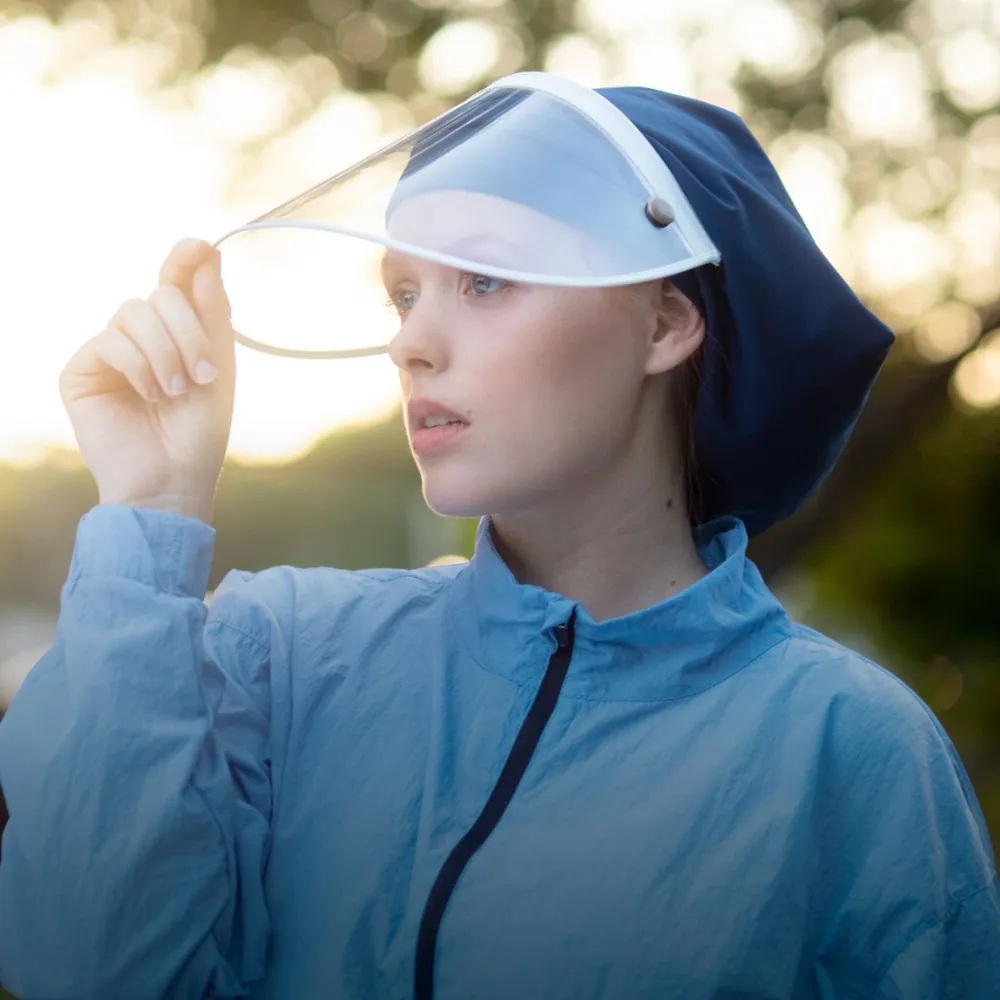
{"points": [[424, 439], [428, 439]]}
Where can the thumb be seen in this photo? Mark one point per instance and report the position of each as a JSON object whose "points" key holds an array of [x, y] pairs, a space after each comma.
{"points": [[182, 261], [211, 301]]}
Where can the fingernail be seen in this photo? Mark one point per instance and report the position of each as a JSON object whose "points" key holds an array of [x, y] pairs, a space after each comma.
{"points": [[178, 385], [205, 373]]}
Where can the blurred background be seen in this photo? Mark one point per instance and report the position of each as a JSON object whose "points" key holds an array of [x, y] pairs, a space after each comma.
{"points": [[126, 125]]}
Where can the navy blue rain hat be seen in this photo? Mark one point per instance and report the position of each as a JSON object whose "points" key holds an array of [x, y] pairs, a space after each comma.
{"points": [[791, 353]]}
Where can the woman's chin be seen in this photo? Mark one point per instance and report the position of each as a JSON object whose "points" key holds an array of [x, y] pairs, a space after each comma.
{"points": [[454, 501]]}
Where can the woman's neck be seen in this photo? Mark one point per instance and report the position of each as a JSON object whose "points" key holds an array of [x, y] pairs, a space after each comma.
{"points": [[615, 554]]}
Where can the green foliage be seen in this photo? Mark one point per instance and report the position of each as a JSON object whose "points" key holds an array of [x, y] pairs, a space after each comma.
{"points": [[39, 510], [349, 502], [928, 541], [916, 571], [344, 504]]}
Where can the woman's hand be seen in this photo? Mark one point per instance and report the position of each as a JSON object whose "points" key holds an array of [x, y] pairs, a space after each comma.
{"points": [[151, 396]]}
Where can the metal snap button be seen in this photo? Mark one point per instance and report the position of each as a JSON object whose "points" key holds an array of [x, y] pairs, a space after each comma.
{"points": [[659, 212]]}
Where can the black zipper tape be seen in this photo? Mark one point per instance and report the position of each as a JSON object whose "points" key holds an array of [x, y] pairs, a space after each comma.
{"points": [[516, 764]]}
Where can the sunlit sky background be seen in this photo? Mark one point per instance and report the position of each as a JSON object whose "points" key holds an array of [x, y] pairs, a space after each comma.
{"points": [[103, 169]]}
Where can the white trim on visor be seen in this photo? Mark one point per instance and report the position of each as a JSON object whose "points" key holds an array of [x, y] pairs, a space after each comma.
{"points": [[620, 130]]}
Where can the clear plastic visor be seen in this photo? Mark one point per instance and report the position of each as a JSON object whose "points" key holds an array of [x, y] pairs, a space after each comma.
{"points": [[516, 184]]}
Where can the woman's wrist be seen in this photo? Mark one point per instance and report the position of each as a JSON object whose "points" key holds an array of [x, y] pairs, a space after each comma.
{"points": [[199, 506]]}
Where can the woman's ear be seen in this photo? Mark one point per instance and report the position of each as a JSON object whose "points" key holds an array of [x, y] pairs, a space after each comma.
{"points": [[679, 330]]}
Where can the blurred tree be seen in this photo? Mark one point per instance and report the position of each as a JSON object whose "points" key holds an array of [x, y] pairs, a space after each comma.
{"points": [[345, 504], [373, 44], [917, 576]]}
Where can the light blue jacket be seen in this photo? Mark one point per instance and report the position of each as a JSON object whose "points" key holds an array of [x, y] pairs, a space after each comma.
{"points": [[256, 798]]}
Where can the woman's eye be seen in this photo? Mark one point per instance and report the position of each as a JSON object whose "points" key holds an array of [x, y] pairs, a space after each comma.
{"points": [[402, 302], [482, 284]]}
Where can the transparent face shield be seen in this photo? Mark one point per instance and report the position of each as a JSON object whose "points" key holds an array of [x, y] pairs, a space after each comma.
{"points": [[535, 179]]}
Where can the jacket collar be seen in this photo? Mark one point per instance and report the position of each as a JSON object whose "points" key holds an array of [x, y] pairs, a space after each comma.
{"points": [[674, 649]]}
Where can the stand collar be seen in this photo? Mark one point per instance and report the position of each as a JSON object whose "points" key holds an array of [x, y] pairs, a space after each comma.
{"points": [[673, 649]]}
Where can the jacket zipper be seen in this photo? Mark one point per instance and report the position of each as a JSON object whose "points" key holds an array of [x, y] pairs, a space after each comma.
{"points": [[516, 764]]}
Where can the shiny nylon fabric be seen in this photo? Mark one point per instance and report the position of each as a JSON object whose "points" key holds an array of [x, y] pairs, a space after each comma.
{"points": [[260, 794]]}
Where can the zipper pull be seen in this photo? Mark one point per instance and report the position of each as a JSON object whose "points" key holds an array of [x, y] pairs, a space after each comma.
{"points": [[564, 633]]}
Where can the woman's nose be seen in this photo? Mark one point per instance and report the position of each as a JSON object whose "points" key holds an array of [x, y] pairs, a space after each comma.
{"points": [[419, 344]]}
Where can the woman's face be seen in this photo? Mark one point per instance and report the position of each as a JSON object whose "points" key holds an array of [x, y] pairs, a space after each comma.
{"points": [[552, 389], [548, 385]]}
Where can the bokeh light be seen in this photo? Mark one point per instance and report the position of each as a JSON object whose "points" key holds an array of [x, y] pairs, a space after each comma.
{"points": [[947, 331], [467, 52], [896, 254], [580, 58], [776, 40], [969, 63], [879, 91], [977, 378]]}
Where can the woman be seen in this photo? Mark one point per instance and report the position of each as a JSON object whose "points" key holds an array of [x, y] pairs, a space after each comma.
{"points": [[598, 761]]}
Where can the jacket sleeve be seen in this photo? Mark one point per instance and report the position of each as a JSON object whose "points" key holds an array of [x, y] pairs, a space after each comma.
{"points": [[909, 876], [135, 766], [954, 959]]}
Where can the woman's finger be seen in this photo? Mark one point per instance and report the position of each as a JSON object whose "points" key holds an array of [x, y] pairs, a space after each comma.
{"points": [[117, 352], [141, 323], [185, 328]]}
